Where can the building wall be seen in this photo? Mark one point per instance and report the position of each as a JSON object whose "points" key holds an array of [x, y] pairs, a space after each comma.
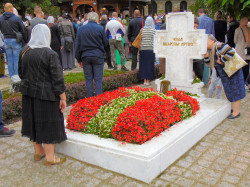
{"points": [[175, 6]]}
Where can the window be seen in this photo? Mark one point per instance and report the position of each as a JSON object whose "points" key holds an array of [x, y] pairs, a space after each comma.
{"points": [[152, 8], [168, 7], [183, 6]]}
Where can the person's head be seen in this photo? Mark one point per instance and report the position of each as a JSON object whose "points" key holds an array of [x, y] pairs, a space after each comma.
{"points": [[210, 41], [196, 23], [149, 23], [201, 12], [218, 15], [60, 19], [8, 7], [51, 21], [114, 15], [66, 16], [85, 17], [40, 37], [137, 13], [104, 17], [38, 11], [93, 16], [243, 21], [230, 18], [124, 22]]}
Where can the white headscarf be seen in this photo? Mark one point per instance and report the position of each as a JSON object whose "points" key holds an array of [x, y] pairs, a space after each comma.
{"points": [[51, 19], [15, 11], [40, 37], [149, 23]]}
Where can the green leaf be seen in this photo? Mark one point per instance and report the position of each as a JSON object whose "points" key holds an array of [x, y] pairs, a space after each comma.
{"points": [[224, 2], [245, 5]]}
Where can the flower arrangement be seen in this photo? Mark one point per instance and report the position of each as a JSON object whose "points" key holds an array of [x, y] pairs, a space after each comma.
{"points": [[133, 115]]}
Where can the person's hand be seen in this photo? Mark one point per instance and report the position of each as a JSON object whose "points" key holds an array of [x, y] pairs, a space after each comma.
{"points": [[61, 47], [80, 64], [63, 105], [206, 55], [209, 82], [219, 61]]}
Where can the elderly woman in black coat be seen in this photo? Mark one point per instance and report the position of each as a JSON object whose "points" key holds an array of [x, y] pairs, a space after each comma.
{"points": [[44, 99]]}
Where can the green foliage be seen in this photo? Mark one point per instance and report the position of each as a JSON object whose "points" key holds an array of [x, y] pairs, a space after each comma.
{"points": [[196, 80], [79, 77], [234, 7]]}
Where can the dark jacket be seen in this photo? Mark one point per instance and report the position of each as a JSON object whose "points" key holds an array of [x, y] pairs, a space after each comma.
{"points": [[90, 41], [220, 29], [15, 24], [230, 33], [41, 74], [134, 28]]}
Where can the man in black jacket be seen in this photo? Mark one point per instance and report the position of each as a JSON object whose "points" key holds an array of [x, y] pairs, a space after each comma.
{"points": [[10, 24], [233, 25], [134, 28]]}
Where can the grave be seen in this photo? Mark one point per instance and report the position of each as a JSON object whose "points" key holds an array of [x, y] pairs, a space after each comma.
{"points": [[147, 161], [180, 43]]}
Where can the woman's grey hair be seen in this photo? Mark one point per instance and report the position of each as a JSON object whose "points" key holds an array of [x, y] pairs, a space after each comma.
{"points": [[104, 17], [211, 37], [92, 16]]}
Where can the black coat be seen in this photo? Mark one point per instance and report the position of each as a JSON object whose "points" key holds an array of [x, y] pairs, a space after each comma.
{"points": [[56, 40], [41, 74], [134, 28], [230, 33], [220, 29]]}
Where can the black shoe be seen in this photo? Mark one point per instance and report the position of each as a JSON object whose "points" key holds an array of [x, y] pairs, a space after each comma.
{"points": [[6, 132], [124, 69], [110, 67], [115, 68], [231, 116], [232, 111]]}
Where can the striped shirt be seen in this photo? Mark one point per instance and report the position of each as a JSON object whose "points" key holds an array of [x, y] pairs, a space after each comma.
{"points": [[147, 39]]}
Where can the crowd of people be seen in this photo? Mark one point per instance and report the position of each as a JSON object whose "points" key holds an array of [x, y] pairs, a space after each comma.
{"points": [[39, 49]]}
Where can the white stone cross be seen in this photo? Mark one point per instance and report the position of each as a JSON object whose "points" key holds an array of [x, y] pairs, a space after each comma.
{"points": [[180, 43]]}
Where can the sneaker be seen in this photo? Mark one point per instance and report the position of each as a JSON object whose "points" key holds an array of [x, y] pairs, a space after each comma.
{"points": [[110, 67], [124, 69], [6, 132]]}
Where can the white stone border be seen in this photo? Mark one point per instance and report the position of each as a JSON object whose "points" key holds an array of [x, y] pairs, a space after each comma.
{"points": [[145, 162]]}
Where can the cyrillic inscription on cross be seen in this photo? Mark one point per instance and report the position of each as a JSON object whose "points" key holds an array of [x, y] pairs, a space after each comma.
{"points": [[179, 44]]}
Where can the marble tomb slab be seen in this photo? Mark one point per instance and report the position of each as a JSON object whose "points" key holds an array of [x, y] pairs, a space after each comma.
{"points": [[147, 161]]}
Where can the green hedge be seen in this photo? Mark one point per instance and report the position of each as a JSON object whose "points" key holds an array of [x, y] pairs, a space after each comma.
{"points": [[12, 106]]}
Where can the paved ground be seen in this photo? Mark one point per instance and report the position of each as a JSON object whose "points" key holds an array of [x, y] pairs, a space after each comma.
{"points": [[221, 158]]}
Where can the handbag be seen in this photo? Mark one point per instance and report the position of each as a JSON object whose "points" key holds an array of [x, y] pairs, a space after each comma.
{"points": [[247, 49], [234, 64], [137, 42], [19, 36], [68, 43]]}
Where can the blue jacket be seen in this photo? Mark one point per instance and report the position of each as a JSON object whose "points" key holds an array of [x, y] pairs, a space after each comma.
{"points": [[90, 41], [206, 23], [15, 24]]}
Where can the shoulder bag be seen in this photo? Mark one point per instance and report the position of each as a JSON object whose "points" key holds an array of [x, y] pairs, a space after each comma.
{"points": [[19, 36], [68, 44], [247, 49], [137, 42], [234, 64]]}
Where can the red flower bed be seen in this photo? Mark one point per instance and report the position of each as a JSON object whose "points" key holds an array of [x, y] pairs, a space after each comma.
{"points": [[181, 96], [153, 116], [87, 108]]}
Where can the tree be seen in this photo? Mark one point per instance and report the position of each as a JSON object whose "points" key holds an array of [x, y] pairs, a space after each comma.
{"points": [[24, 6], [237, 8]]}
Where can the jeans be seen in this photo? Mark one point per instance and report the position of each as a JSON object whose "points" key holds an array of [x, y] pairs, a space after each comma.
{"points": [[1, 121], [93, 70], [12, 50]]}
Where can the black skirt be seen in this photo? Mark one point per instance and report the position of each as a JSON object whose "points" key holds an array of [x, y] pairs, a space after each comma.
{"points": [[42, 121], [146, 64]]}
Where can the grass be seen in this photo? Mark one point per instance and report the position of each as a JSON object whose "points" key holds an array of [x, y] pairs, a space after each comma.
{"points": [[79, 77]]}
